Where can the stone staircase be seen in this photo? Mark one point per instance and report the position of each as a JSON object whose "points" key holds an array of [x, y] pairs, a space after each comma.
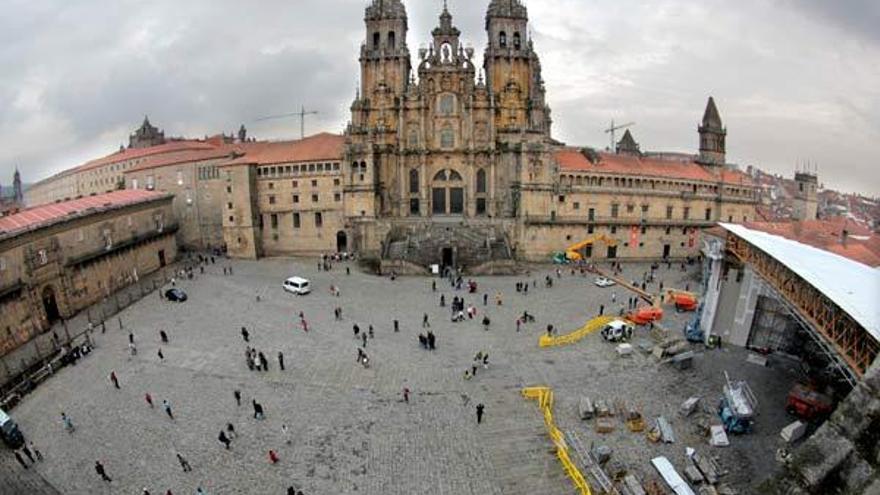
{"points": [[423, 244]]}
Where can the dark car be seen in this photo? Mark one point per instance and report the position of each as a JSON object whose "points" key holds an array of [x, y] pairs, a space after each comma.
{"points": [[9, 432], [175, 295]]}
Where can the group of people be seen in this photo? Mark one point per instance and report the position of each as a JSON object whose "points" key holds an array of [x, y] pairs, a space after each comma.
{"points": [[428, 341], [481, 359]]}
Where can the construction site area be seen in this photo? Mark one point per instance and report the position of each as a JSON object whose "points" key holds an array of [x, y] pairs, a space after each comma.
{"points": [[621, 379]]}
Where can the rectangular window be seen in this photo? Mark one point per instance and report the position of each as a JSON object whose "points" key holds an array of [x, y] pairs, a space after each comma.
{"points": [[231, 219], [644, 211], [576, 205], [294, 184], [296, 198], [314, 183], [336, 167], [320, 167], [481, 206], [296, 220], [229, 189], [228, 206], [687, 212], [668, 230], [669, 213], [630, 208], [562, 199], [337, 197], [591, 214], [314, 198], [590, 229], [319, 219], [271, 185], [311, 167], [336, 182], [614, 229], [708, 213], [414, 206], [273, 221], [271, 200], [644, 230], [614, 210]]}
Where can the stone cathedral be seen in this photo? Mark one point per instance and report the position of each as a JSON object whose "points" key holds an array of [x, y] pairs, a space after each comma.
{"points": [[448, 163]]}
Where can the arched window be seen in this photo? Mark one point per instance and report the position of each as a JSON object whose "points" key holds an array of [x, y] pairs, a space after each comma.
{"points": [[414, 181], [377, 40], [447, 138], [447, 104], [517, 41], [392, 40], [481, 181], [502, 39], [454, 176], [440, 177]]}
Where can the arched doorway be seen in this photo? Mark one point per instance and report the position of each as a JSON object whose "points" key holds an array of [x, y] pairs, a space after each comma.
{"points": [[50, 305], [341, 242], [447, 193]]}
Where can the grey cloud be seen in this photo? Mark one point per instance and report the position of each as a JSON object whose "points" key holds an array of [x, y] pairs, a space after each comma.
{"points": [[80, 75]]}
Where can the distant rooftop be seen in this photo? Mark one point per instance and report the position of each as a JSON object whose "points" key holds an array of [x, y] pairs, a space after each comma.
{"points": [[48, 214]]}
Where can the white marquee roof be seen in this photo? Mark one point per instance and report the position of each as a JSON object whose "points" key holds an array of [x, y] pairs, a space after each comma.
{"points": [[853, 286]]}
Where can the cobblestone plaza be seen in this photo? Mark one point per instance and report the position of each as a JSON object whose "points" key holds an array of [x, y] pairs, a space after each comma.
{"points": [[351, 430]]}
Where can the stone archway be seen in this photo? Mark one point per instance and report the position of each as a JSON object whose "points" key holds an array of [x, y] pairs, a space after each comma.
{"points": [[50, 305], [341, 242]]}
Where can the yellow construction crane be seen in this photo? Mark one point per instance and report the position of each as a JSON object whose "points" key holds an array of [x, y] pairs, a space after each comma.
{"points": [[572, 253]]}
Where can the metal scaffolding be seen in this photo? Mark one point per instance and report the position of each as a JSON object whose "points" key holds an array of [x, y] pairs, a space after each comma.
{"points": [[850, 341]]}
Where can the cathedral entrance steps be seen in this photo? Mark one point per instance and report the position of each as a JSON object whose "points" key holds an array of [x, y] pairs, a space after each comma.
{"points": [[446, 244]]}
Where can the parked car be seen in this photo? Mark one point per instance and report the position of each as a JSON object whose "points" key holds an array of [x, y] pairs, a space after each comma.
{"points": [[604, 282], [175, 295], [9, 432], [297, 285], [617, 331]]}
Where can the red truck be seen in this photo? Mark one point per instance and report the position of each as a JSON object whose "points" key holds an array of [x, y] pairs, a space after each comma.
{"points": [[807, 404]]}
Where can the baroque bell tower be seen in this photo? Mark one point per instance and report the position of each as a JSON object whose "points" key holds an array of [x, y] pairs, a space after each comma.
{"points": [[513, 70]]}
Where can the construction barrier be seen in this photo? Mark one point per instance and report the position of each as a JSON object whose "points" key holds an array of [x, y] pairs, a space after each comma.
{"points": [[570, 338], [544, 396]]}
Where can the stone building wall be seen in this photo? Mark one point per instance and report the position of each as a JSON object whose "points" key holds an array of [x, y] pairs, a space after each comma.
{"points": [[843, 456], [78, 262]]}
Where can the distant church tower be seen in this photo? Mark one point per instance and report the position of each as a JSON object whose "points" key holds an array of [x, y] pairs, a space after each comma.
{"points": [[712, 137], [628, 145], [805, 198], [146, 136], [16, 187]]}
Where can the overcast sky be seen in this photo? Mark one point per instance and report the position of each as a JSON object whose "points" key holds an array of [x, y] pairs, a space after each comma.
{"points": [[795, 80]]}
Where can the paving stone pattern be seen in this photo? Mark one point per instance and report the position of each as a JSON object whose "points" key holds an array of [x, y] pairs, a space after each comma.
{"points": [[351, 432]]}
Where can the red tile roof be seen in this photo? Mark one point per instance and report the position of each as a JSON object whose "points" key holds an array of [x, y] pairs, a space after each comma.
{"points": [[134, 153], [324, 146], [188, 156], [573, 160], [861, 244], [44, 215]]}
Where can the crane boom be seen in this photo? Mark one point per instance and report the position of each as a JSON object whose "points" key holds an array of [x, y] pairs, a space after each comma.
{"points": [[302, 118], [613, 131]]}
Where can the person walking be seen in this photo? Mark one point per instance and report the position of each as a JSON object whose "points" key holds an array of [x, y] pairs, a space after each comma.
{"points": [[67, 422], [20, 459], [433, 286], [480, 408], [370, 332], [281, 360], [99, 468], [486, 322], [149, 399], [224, 439], [485, 299], [184, 464], [601, 309], [356, 329], [245, 334], [406, 395], [613, 297], [114, 379], [273, 457], [237, 395], [27, 452], [425, 323], [396, 326], [264, 363], [258, 409], [163, 336], [167, 406], [285, 434], [161, 356], [364, 339]]}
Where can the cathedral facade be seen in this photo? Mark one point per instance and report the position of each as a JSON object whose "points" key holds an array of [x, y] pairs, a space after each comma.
{"points": [[448, 163]]}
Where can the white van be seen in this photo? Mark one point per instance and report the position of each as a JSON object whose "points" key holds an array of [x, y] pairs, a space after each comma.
{"points": [[617, 331], [297, 285]]}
